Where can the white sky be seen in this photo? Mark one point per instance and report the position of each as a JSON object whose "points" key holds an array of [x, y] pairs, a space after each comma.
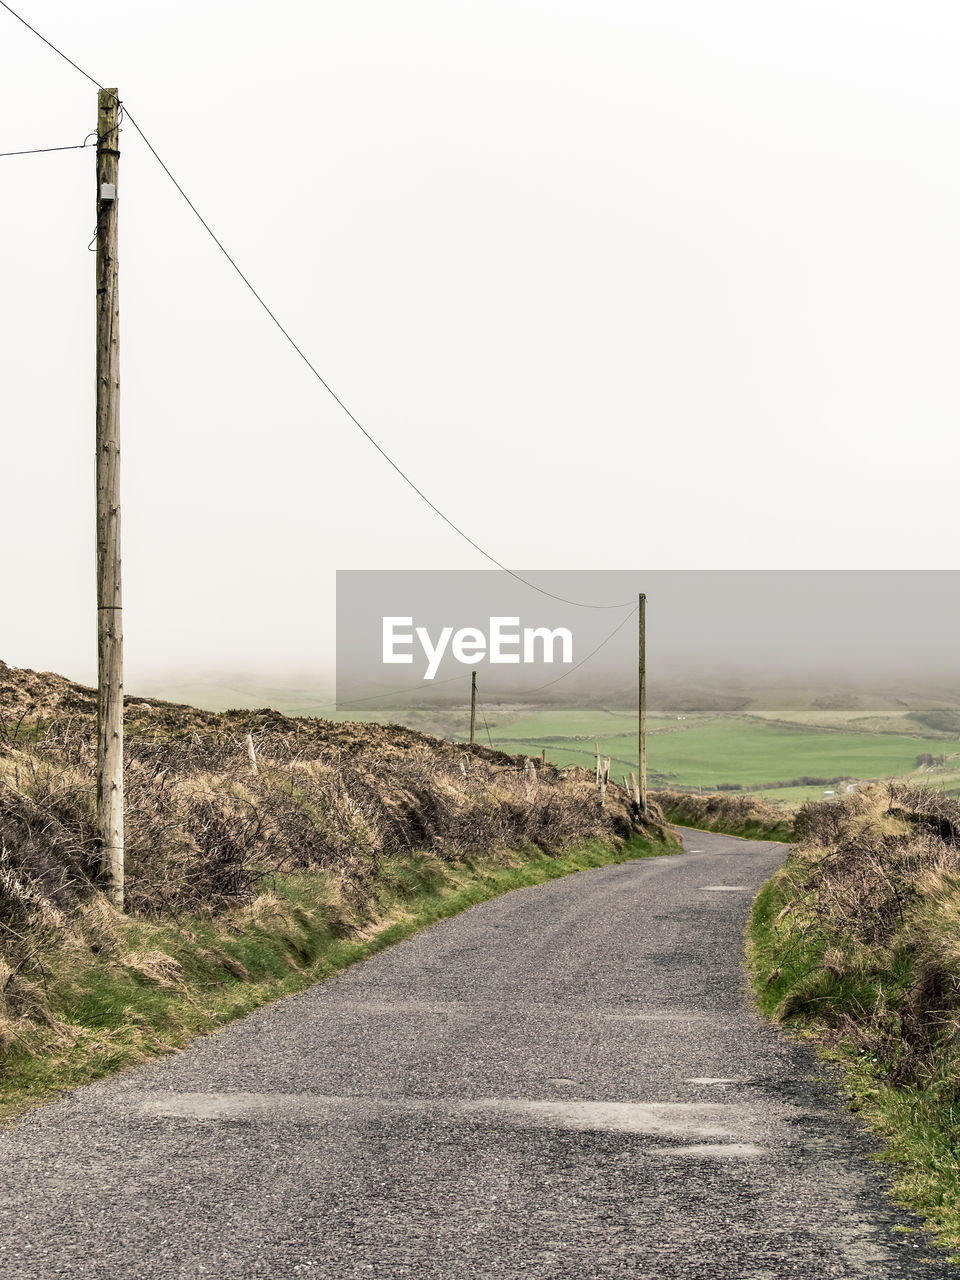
{"points": [[646, 285]]}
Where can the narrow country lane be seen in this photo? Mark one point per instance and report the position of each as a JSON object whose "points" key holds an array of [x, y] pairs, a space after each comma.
{"points": [[565, 1082]]}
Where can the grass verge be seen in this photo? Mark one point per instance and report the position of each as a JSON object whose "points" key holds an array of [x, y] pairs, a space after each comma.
{"points": [[120, 990], [853, 945]]}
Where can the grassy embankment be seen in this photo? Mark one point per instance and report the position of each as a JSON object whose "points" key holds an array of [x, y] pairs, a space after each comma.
{"points": [[855, 943], [244, 885]]}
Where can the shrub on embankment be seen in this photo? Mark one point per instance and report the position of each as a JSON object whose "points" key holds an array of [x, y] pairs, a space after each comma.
{"points": [[856, 940], [241, 882], [734, 815]]}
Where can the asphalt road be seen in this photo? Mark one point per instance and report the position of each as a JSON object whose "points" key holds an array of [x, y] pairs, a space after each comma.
{"points": [[564, 1082]]}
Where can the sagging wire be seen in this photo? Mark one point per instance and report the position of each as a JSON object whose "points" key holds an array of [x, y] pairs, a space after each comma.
{"points": [[302, 354]]}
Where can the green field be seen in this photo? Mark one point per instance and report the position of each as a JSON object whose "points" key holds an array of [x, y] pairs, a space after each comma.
{"points": [[742, 751], [573, 722]]}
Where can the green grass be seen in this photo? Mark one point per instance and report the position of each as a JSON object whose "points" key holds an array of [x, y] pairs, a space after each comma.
{"points": [[879, 720], [794, 796], [586, 724], [851, 1005], [739, 750], [622, 751], [123, 990], [749, 753], [17, 732]]}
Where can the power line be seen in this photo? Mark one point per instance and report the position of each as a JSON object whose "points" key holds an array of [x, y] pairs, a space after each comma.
{"points": [[329, 389], [483, 716], [583, 661], [303, 356], [39, 151], [51, 45]]}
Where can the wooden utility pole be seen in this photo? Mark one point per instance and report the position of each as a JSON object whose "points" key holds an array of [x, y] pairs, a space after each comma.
{"points": [[473, 706], [642, 730], [109, 611]]}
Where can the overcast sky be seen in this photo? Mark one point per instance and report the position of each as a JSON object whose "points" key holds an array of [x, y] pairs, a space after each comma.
{"points": [[620, 285]]}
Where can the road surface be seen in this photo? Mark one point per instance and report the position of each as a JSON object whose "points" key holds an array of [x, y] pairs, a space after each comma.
{"points": [[566, 1082]]}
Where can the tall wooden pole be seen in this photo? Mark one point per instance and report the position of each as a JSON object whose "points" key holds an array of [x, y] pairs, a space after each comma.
{"points": [[473, 705], [642, 769], [109, 612]]}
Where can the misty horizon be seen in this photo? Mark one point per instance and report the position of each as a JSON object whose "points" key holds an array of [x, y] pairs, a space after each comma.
{"points": [[730, 626]]}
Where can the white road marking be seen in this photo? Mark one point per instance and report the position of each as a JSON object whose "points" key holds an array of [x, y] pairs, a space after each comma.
{"points": [[694, 1119], [716, 1150]]}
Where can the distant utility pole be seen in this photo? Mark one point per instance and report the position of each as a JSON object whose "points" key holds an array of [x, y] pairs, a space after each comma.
{"points": [[642, 728], [473, 705], [109, 612]]}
